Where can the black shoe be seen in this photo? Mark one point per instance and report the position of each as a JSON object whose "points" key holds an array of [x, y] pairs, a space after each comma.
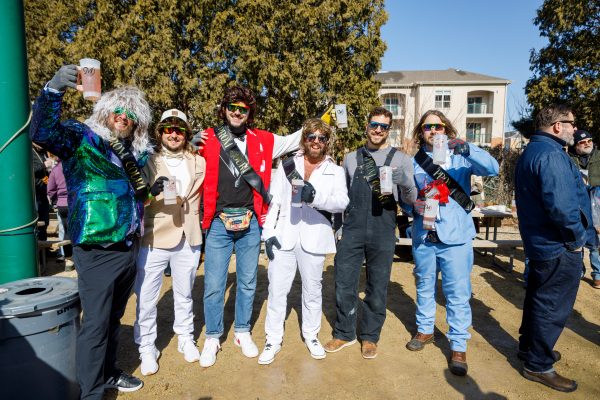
{"points": [[123, 382], [557, 355], [168, 271]]}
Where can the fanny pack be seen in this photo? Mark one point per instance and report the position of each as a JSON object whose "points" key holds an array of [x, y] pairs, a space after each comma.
{"points": [[236, 219]]}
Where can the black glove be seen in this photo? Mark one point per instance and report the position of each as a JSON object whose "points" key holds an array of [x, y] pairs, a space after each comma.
{"points": [[460, 147], [158, 186], [65, 77], [269, 243], [308, 193], [198, 140]]}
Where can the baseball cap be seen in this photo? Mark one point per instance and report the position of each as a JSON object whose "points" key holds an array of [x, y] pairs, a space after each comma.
{"points": [[174, 113]]}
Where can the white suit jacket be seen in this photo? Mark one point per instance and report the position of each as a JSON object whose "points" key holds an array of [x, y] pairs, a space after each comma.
{"points": [[288, 223]]}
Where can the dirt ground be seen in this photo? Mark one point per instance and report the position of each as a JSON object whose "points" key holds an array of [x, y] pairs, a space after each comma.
{"points": [[396, 373]]}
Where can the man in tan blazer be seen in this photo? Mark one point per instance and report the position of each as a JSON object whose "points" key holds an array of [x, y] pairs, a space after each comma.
{"points": [[172, 236]]}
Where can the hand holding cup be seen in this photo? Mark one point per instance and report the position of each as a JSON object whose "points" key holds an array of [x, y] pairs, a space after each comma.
{"points": [[64, 78]]}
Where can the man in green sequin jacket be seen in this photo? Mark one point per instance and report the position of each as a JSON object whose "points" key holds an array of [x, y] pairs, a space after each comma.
{"points": [[105, 209]]}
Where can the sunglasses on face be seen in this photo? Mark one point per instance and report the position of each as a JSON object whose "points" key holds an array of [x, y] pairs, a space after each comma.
{"points": [[434, 127], [585, 141], [130, 115], [374, 125], [180, 131], [565, 122], [320, 138], [236, 107]]}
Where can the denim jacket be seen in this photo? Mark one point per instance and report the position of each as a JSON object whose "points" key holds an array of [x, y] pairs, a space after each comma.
{"points": [[553, 205]]}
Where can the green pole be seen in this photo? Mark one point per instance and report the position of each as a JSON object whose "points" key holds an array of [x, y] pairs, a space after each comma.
{"points": [[18, 255]]}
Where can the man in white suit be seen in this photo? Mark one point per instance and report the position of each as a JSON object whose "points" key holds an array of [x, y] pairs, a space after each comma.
{"points": [[302, 235]]}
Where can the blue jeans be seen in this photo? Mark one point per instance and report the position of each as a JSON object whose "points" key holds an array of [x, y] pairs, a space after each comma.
{"points": [[218, 247], [455, 262], [595, 263], [551, 291]]}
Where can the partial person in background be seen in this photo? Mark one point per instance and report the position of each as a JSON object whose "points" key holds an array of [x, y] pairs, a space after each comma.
{"points": [[57, 193], [587, 158], [40, 177]]}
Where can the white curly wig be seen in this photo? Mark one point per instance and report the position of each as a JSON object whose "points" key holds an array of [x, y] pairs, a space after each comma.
{"points": [[132, 99]]}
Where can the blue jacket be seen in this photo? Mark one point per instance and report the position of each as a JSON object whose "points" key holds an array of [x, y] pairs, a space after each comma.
{"points": [[102, 205], [553, 205], [453, 224]]}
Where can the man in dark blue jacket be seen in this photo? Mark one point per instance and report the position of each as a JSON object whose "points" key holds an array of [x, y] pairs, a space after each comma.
{"points": [[555, 220]]}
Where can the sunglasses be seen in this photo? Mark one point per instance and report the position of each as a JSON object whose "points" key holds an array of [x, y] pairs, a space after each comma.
{"points": [[313, 138], [373, 125], [236, 107], [434, 127], [167, 130], [565, 122], [585, 141], [129, 114]]}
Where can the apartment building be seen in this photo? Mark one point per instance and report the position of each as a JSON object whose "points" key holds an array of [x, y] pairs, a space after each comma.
{"points": [[475, 103]]}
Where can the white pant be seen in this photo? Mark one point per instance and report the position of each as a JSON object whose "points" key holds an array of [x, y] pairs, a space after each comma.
{"points": [[151, 263], [281, 275]]}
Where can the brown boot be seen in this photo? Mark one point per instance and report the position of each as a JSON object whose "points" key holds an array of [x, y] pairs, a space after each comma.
{"points": [[458, 363], [552, 380], [419, 341], [368, 349], [336, 344]]}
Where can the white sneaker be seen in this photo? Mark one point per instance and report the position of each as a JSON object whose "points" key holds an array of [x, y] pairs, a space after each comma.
{"points": [[149, 366], [187, 346], [268, 354], [209, 352], [316, 349], [244, 340]]}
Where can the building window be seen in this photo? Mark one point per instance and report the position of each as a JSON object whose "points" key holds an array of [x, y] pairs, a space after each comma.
{"points": [[477, 134], [442, 99], [474, 132], [392, 105], [475, 105]]}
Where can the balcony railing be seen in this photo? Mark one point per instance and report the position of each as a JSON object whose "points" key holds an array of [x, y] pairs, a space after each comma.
{"points": [[477, 108]]}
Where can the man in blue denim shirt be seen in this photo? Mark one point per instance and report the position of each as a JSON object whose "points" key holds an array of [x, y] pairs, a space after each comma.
{"points": [[555, 218]]}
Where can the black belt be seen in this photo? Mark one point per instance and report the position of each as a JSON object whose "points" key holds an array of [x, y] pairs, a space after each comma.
{"points": [[432, 237]]}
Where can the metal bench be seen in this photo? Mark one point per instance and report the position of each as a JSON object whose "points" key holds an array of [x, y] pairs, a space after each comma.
{"points": [[42, 245]]}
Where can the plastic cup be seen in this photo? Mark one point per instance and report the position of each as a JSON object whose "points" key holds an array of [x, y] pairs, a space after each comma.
{"points": [[170, 191], [385, 179], [440, 148], [89, 74], [430, 214], [297, 186]]}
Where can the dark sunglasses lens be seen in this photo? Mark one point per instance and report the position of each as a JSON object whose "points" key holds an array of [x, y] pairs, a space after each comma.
{"points": [[312, 138], [374, 125]]}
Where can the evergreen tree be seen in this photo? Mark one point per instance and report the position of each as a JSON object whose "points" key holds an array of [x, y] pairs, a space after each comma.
{"points": [[297, 56], [567, 70]]}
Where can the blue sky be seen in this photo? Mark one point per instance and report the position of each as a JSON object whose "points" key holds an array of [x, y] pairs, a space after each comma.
{"points": [[489, 37]]}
